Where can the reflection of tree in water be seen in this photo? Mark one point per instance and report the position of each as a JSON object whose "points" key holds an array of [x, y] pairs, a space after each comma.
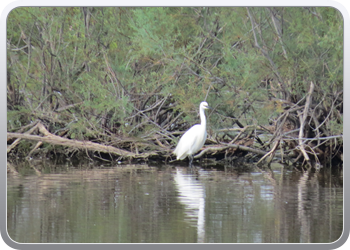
{"points": [[307, 200], [192, 196]]}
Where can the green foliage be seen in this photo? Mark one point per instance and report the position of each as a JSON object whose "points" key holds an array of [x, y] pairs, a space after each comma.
{"points": [[111, 63]]}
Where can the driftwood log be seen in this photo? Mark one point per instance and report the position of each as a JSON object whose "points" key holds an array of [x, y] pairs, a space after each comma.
{"points": [[57, 140]]}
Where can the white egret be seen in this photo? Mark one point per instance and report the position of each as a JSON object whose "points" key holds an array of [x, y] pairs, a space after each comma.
{"points": [[194, 138]]}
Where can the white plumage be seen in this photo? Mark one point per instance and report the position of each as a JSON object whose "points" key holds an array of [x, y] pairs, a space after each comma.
{"points": [[194, 138]]}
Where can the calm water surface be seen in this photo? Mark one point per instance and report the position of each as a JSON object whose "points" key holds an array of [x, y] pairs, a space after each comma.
{"points": [[169, 204]]}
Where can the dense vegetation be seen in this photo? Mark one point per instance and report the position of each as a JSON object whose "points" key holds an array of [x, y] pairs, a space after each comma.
{"points": [[133, 78]]}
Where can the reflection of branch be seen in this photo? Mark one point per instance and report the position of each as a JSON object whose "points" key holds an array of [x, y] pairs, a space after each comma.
{"points": [[302, 216], [269, 175]]}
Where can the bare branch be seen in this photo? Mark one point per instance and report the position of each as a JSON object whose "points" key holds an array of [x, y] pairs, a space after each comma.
{"points": [[302, 122]]}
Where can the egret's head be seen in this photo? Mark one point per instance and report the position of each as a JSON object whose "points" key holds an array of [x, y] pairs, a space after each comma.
{"points": [[205, 105]]}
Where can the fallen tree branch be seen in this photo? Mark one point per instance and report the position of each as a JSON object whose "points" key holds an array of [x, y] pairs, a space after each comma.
{"points": [[36, 146], [87, 145], [226, 146], [14, 144], [277, 142]]}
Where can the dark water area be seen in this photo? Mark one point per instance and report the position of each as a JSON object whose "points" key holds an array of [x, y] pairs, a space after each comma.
{"points": [[173, 204]]}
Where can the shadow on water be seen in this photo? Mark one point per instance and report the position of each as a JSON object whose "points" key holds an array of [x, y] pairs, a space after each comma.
{"points": [[141, 203]]}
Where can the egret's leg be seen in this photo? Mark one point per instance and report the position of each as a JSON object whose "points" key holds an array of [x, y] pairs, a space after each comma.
{"points": [[191, 159]]}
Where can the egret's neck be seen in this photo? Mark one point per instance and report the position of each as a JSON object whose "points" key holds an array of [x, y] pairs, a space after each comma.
{"points": [[203, 119]]}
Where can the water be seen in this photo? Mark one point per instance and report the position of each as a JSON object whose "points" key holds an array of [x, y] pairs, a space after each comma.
{"points": [[169, 204]]}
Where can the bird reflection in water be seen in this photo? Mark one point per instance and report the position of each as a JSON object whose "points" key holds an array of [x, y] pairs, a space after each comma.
{"points": [[192, 196]]}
